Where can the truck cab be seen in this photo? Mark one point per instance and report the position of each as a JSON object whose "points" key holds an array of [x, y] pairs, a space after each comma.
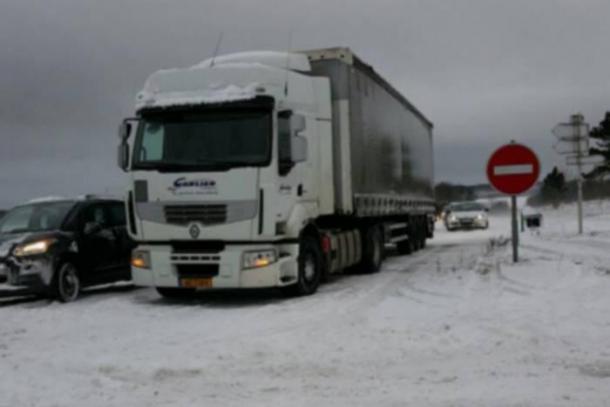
{"points": [[255, 170]]}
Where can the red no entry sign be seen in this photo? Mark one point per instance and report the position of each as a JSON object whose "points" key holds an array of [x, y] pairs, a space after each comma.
{"points": [[513, 169]]}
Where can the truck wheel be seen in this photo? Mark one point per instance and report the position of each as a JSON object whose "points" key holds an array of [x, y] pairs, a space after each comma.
{"points": [[405, 246], [66, 283], [373, 250], [175, 293], [422, 235], [310, 268]]}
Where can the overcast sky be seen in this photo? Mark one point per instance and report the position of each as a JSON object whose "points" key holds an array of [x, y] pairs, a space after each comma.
{"points": [[483, 71]]}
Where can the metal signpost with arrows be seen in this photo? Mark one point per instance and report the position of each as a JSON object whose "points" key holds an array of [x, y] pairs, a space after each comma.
{"points": [[573, 143], [513, 169]]}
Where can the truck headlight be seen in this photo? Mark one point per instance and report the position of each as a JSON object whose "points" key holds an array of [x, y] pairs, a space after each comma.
{"points": [[259, 258], [33, 248], [140, 259]]}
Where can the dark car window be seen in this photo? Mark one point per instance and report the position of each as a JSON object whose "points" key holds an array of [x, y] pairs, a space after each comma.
{"points": [[116, 212], [36, 217], [96, 213]]}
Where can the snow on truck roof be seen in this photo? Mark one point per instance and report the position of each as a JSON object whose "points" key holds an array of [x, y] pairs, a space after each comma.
{"points": [[282, 60], [197, 84]]}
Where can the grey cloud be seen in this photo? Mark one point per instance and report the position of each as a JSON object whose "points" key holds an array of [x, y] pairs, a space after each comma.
{"points": [[484, 71]]}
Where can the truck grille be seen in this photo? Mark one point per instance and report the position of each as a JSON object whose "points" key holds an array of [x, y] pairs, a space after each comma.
{"points": [[185, 214]]}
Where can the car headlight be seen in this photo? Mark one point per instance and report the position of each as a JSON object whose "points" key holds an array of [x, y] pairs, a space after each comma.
{"points": [[259, 258], [480, 216], [33, 248], [452, 218], [140, 259]]}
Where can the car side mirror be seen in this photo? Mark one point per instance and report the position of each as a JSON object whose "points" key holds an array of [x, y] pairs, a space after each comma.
{"points": [[92, 228]]}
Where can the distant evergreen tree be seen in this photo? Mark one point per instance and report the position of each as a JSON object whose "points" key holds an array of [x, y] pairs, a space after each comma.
{"points": [[601, 134], [553, 187]]}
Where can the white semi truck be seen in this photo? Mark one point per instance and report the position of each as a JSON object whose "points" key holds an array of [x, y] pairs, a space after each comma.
{"points": [[271, 169]]}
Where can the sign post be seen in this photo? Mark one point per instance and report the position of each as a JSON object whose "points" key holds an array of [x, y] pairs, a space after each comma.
{"points": [[513, 169], [573, 141]]}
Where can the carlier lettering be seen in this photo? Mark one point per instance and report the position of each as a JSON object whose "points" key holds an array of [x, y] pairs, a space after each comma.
{"points": [[201, 183], [197, 186]]}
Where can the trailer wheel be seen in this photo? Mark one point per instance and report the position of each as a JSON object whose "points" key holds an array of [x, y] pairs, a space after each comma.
{"points": [[373, 250], [405, 246], [310, 265], [423, 232]]}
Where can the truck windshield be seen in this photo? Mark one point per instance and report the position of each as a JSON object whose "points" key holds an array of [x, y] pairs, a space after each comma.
{"points": [[215, 140], [35, 217]]}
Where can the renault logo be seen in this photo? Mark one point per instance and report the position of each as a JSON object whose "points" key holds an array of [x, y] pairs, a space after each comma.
{"points": [[194, 231]]}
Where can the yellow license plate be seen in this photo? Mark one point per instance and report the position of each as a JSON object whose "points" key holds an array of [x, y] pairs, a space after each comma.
{"points": [[196, 282]]}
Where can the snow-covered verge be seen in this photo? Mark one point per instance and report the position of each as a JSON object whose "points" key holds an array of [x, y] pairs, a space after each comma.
{"points": [[454, 325]]}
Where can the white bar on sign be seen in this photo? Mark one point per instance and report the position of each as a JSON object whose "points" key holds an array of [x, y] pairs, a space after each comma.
{"points": [[520, 169]]}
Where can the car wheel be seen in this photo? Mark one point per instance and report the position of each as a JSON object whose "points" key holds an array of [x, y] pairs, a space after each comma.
{"points": [[175, 293], [66, 283], [310, 268]]}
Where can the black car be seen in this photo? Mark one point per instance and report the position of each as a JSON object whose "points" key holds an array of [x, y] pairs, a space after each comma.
{"points": [[57, 247]]}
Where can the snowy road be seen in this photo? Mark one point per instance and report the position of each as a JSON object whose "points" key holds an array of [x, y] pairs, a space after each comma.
{"points": [[453, 325]]}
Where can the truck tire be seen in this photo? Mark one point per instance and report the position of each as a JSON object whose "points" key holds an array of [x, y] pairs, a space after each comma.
{"points": [[372, 250], [310, 265], [66, 284], [422, 233], [175, 293], [405, 246]]}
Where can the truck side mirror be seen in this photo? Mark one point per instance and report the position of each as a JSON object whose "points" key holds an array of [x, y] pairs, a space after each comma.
{"points": [[123, 156], [123, 151], [291, 146], [297, 123], [298, 149], [298, 144], [125, 129]]}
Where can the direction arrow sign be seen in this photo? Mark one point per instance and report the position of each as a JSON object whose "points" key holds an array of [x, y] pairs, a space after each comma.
{"points": [[570, 131], [572, 147], [513, 169]]}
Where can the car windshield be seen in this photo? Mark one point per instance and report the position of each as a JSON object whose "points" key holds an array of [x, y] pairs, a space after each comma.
{"points": [[466, 207], [35, 217], [214, 140]]}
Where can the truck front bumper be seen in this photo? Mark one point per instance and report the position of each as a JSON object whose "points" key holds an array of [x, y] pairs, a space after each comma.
{"points": [[223, 270]]}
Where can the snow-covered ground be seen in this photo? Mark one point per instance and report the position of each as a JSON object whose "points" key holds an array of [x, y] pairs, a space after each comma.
{"points": [[454, 325]]}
